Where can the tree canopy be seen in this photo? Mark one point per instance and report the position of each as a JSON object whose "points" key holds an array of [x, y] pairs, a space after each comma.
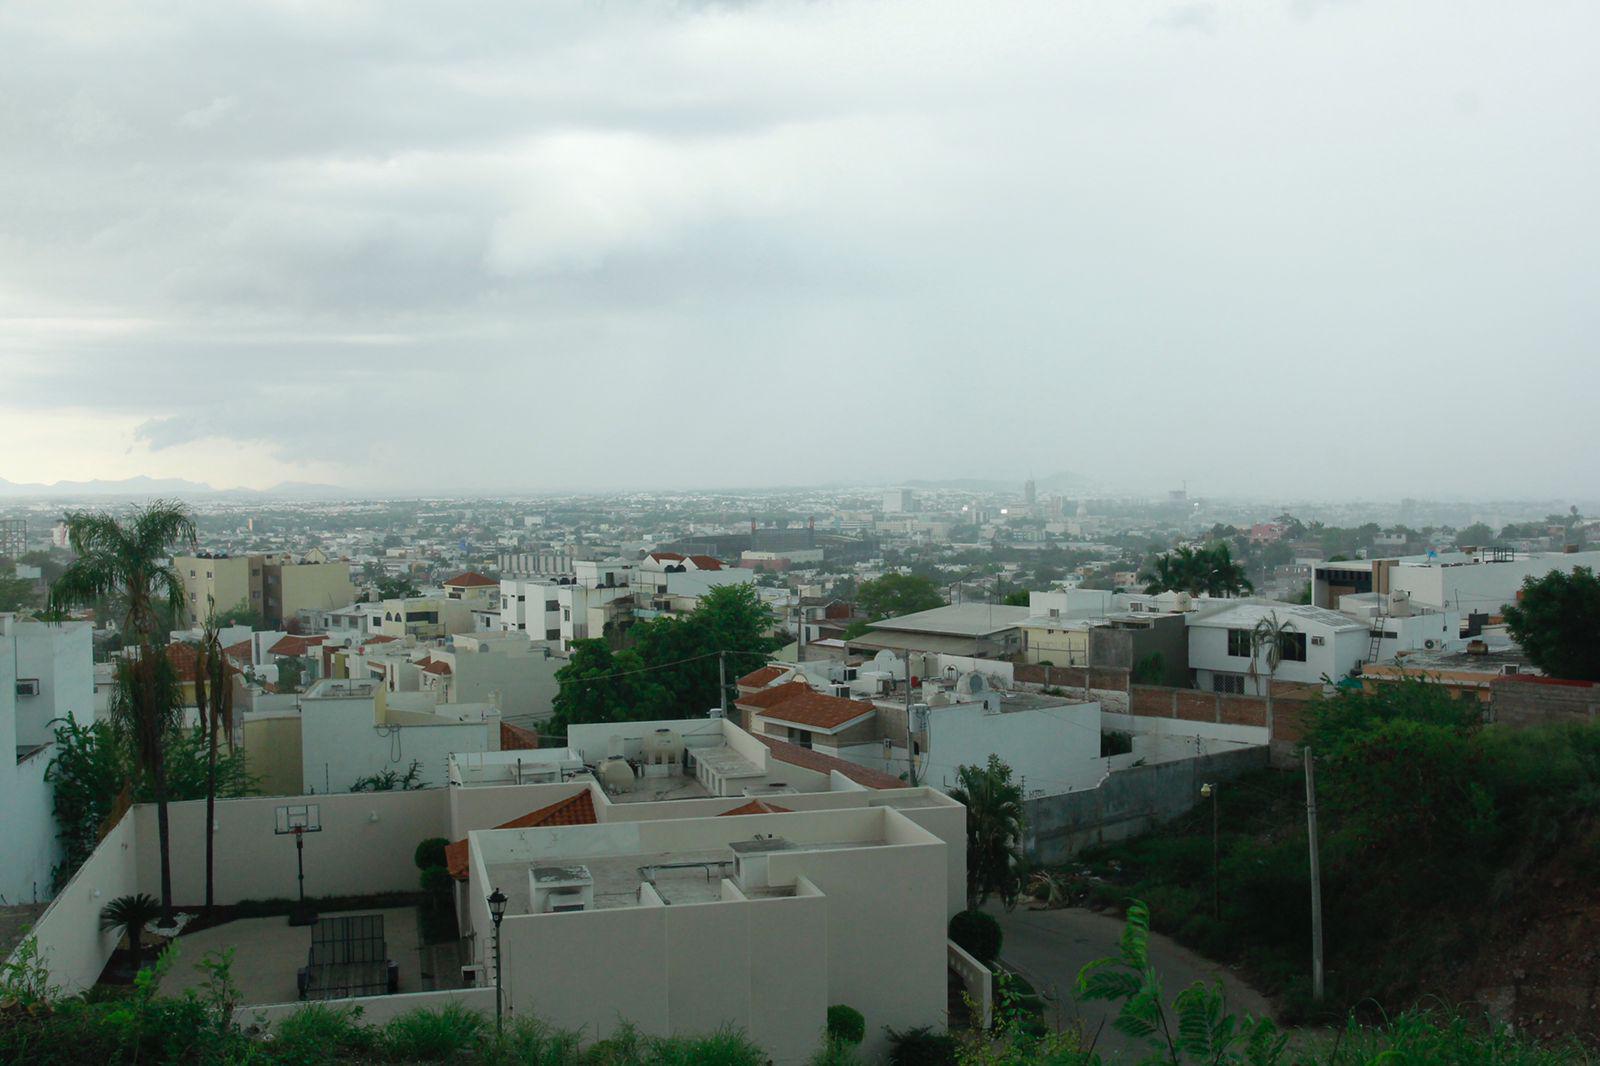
{"points": [[1208, 571], [994, 831], [1557, 622], [893, 595]]}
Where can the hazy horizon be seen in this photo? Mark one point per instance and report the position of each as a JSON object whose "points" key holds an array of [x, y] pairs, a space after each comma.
{"points": [[1313, 249]]}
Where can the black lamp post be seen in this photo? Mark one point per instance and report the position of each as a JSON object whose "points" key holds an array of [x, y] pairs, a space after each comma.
{"points": [[1210, 789], [497, 910]]}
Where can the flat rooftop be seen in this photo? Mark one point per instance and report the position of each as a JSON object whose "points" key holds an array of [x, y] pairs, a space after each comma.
{"points": [[679, 877], [958, 620]]}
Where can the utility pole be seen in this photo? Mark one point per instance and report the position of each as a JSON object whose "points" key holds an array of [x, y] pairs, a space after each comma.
{"points": [[722, 682], [1316, 879]]}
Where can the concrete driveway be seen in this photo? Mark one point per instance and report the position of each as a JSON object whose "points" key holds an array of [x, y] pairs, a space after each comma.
{"points": [[1050, 947]]}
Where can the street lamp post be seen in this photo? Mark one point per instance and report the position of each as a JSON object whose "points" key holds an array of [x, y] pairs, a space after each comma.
{"points": [[497, 910], [1209, 789]]}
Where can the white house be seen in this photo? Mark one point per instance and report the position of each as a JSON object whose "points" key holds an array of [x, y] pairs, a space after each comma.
{"points": [[353, 729], [46, 673], [1317, 643]]}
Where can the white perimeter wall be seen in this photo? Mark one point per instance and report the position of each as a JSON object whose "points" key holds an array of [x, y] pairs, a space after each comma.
{"points": [[340, 743], [73, 945], [353, 855]]}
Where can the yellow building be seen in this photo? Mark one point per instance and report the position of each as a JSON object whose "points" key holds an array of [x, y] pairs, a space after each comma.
{"points": [[275, 586], [1055, 641], [219, 581], [272, 753]]}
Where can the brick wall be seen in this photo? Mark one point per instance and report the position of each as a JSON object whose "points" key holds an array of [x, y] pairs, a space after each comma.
{"points": [[1520, 702], [1109, 678], [1289, 707]]}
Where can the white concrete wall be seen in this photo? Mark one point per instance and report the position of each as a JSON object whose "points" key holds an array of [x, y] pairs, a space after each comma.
{"points": [[29, 847], [341, 742], [1480, 586], [61, 657], [74, 947], [1051, 749], [1340, 652], [375, 1010], [352, 855]]}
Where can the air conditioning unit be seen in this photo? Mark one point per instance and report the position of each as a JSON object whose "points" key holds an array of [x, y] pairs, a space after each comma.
{"points": [[850, 673], [27, 686], [1508, 669], [1319, 640], [841, 690], [474, 975], [1430, 644]]}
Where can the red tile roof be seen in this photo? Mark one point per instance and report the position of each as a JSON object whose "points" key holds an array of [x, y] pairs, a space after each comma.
{"points": [[469, 579], [574, 810], [1537, 679], [666, 557], [771, 697], [795, 755], [516, 738], [756, 806], [437, 666], [378, 640], [763, 677], [706, 562], [185, 660], [819, 711], [295, 646], [240, 653]]}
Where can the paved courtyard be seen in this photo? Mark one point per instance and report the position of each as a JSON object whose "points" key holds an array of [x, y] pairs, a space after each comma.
{"points": [[269, 951]]}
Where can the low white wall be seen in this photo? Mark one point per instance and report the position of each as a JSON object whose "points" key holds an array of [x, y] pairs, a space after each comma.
{"points": [[375, 1010], [73, 946], [977, 979], [1145, 725], [352, 855]]}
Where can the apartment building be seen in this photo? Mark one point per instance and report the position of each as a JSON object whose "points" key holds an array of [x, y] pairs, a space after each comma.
{"points": [[353, 729], [279, 587], [1317, 643]]}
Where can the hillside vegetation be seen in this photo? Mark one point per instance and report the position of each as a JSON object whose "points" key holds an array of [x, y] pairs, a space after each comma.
{"points": [[1457, 862]]}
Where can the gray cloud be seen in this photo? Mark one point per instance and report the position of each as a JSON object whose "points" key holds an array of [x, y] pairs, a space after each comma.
{"points": [[780, 241]]}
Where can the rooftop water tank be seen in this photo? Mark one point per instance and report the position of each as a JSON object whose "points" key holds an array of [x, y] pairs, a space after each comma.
{"points": [[616, 775]]}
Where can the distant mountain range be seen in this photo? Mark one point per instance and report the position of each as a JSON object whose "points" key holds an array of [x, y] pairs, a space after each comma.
{"points": [[154, 486]]}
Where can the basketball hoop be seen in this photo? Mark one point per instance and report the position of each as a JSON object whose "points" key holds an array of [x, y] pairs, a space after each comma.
{"points": [[297, 820]]}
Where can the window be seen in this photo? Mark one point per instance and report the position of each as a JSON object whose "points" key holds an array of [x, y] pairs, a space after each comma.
{"points": [[191, 573], [209, 575], [1292, 647], [1239, 644], [552, 634], [801, 737], [191, 597], [1231, 683], [566, 614], [505, 602], [552, 605]]}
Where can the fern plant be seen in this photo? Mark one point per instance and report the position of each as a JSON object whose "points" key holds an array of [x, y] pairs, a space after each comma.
{"points": [[1197, 1028]]}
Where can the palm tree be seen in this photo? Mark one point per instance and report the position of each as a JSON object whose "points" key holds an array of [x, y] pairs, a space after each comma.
{"points": [[1164, 574], [994, 831], [1219, 573], [129, 562], [213, 697], [1267, 638], [129, 915]]}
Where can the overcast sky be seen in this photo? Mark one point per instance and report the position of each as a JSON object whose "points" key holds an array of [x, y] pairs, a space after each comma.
{"points": [[1310, 248]]}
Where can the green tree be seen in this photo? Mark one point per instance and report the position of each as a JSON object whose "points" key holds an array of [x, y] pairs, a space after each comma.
{"points": [[129, 915], [397, 588], [241, 614], [131, 561], [1476, 535], [17, 594], [1557, 622], [731, 621], [893, 595], [1019, 598], [994, 831], [601, 685]]}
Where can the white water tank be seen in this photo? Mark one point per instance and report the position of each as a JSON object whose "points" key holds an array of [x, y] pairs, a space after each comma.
{"points": [[616, 775]]}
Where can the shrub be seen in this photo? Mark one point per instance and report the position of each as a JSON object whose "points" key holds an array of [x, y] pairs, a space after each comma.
{"points": [[836, 1052], [846, 1023], [921, 1047], [318, 1031], [430, 853], [531, 1042], [433, 1034], [438, 884], [978, 934]]}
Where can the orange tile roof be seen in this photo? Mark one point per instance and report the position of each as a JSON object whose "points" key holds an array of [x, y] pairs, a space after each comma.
{"points": [[819, 711], [763, 677], [437, 666], [667, 557], [295, 645], [240, 653], [516, 738], [378, 640], [756, 806], [795, 755], [706, 562], [574, 810], [771, 697], [469, 579]]}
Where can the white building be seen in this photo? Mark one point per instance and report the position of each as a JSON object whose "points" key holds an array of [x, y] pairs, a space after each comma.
{"points": [[1317, 643], [353, 729], [1481, 582], [46, 673], [506, 669]]}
